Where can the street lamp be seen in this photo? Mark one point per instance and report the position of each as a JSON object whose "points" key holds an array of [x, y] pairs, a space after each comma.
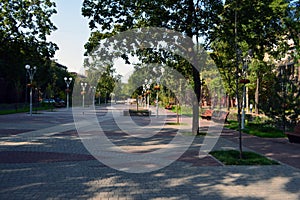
{"points": [[31, 71], [83, 85], [144, 101], [157, 87], [202, 83], [147, 87], [99, 97], [68, 81], [245, 81], [93, 89], [112, 95]]}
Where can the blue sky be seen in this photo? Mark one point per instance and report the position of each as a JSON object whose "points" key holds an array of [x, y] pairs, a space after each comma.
{"points": [[71, 35]]}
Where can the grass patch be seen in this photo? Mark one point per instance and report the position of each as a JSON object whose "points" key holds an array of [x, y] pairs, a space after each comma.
{"points": [[191, 134], [183, 110], [24, 110], [175, 123], [232, 157], [138, 111], [260, 130], [12, 111]]}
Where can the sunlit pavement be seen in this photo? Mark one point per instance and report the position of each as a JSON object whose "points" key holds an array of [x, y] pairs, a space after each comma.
{"points": [[42, 157]]}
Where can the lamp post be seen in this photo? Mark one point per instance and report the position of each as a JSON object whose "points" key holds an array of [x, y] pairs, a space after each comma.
{"points": [[68, 81], [30, 71], [144, 101], [245, 81], [83, 85], [202, 82], [112, 98], [99, 97], [147, 87], [157, 87], [93, 89]]}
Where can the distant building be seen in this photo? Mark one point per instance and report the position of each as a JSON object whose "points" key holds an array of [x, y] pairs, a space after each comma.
{"points": [[61, 66], [286, 65]]}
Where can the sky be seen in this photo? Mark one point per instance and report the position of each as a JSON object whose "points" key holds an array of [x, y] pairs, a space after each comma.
{"points": [[71, 34]]}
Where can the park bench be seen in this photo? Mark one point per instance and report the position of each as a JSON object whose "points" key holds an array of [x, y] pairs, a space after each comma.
{"points": [[294, 137], [169, 107], [131, 112], [220, 116], [207, 114]]}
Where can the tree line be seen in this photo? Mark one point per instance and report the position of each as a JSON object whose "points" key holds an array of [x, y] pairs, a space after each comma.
{"points": [[24, 27], [226, 30], [229, 30]]}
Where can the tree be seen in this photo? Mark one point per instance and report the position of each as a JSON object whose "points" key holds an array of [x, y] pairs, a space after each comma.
{"points": [[106, 81], [251, 25], [24, 28], [27, 22], [292, 24], [260, 27], [189, 17]]}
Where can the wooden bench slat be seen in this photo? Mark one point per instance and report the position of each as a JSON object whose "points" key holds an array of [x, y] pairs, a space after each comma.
{"points": [[220, 116], [207, 114]]}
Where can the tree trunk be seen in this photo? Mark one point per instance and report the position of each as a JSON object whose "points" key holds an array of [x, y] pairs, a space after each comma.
{"points": [[228, 102], [257, 96], [197, 87], [196, 74]]}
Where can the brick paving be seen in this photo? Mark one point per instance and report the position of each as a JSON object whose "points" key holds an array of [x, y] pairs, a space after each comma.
{"points": [[9, 132], [43, 158], [40, 157]]}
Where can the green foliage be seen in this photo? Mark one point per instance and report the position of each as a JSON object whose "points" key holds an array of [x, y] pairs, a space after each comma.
{"points": [[105, 81], [293, 26], [136, 80], [191, 18], [261, 26], [27, 22], [25, 26], [188, 17], [183, 110]]}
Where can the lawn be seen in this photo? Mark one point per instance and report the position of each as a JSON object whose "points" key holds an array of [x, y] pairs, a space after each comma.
{"points": [[175, 123], [232, 157], [258, 129], [183, 110], [24, 109]]}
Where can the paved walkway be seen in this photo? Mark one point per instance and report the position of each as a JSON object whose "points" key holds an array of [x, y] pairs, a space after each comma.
{"points": [[42, 157]]}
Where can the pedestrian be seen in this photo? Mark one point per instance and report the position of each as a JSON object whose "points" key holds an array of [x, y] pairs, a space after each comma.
{"points": [[251, 107]]}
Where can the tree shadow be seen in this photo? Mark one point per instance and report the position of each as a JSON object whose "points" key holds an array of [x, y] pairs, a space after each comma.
{"points": [[84, 177]]}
